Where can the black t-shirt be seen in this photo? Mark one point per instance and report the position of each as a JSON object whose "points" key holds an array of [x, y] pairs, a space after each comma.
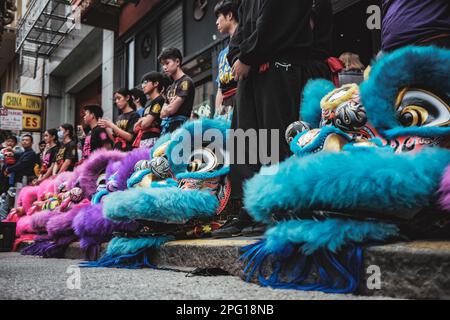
{"points": [[126, 122], [96, 139], [153, 108], [48, 158], [67, 151], [183, 88]]}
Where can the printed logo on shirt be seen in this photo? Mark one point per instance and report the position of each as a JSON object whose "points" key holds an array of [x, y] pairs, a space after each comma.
{"points": [[87, 147], [122, 124], [225, 71], [185, 85], [60, 155], [156, 108]]}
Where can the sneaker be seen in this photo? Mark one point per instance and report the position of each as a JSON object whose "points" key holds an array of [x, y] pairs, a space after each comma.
{"points": [[256, 229], [231, 229]]}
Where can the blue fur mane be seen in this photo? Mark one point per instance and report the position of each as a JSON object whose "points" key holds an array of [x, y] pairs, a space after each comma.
{"points": [[371, 178], [423, 67], [314, 92], [165, 205], [124, 246], [331, 234]]}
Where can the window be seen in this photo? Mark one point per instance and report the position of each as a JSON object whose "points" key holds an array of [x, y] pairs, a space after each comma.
{"points": [[131, 64]]}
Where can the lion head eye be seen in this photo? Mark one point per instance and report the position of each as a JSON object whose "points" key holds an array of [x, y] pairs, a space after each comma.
{"points": [[422, 108]]}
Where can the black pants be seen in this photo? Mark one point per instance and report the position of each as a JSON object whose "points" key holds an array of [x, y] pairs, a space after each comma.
{"points": [[271, 101]]}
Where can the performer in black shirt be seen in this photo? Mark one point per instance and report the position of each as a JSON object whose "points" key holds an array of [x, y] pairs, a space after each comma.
{"points": [[271, 58], [97, 138]]}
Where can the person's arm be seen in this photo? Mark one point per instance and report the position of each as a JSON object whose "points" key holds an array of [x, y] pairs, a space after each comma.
{"points": [[48, 174], [147, 121], [65, 166], [236, 39], [219, 99], [172, 108], [116, 130], [274, 25]]}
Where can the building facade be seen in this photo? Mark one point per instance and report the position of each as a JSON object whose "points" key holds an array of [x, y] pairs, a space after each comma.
{"points": [[80, 51]]}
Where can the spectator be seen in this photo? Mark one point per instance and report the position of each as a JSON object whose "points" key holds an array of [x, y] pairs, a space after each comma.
{"points": [[418, 22], [353, 69], [42, 146], [49, 154], [97, 138], [24, 167], [67, 155], [10, 154], [227, 22], [139, 100], [180, 94], [148, 128], [122, 132]]}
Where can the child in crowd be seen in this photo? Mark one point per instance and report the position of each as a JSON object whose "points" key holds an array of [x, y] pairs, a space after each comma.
{"points": [[10, 155]]}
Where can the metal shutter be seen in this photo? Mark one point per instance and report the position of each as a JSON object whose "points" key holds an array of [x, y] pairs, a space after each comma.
{"points": [[171, 29]]}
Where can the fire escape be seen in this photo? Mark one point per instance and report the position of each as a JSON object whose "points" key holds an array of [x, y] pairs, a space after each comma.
{"points": [[47, 23]]}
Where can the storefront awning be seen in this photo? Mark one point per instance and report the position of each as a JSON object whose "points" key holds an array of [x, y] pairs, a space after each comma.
{"points": [[44, 26]]}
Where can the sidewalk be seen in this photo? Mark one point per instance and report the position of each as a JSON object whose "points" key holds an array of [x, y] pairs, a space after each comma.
{"points": [[419, 270]]}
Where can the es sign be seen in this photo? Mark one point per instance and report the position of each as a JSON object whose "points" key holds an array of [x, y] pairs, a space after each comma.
{"points": [[31, 122]]}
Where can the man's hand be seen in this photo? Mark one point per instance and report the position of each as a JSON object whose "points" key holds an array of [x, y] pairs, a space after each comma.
{"points": [[240, 70]]}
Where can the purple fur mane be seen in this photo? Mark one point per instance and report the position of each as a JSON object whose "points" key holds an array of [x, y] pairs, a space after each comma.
{"points": [[445, 190], [40, 219], [93, 229], [126, 168], [89, 171]]}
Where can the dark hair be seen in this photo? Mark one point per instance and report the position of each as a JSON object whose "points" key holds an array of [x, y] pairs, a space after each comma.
{"points": [[225, 7], [156, 77], [171, 54], [53, 133], [96, 110], [28, 136], [14, 138], [42, 142], [68, 127], [125, 92], [139, 94]]}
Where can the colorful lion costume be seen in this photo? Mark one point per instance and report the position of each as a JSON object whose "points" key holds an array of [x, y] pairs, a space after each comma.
{"points": [[368, 168], [54, 223], [177, 193]]}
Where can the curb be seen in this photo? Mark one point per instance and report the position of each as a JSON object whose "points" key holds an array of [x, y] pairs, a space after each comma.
{"points": [[418, 270]]}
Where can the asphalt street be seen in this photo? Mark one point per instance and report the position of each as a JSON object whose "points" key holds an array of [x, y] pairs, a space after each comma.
{"points": [[41, 279]]}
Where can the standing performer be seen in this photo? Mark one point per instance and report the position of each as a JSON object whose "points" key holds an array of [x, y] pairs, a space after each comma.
{"points": [[271, 58]]}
